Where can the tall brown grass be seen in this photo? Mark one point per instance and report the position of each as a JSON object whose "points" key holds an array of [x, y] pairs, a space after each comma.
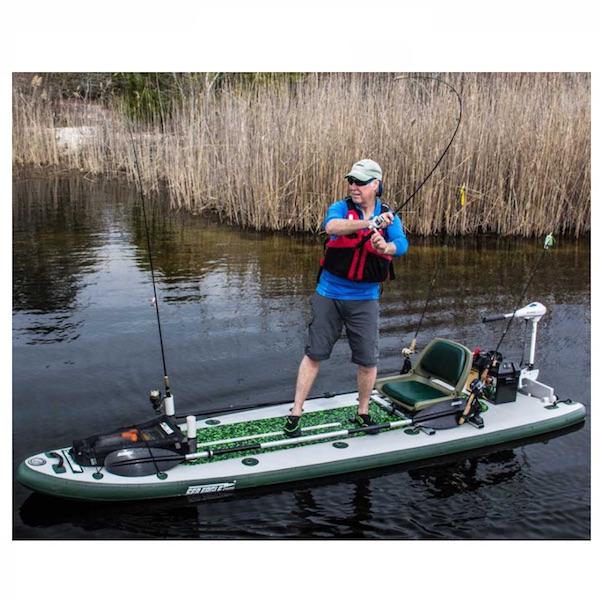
{"points": [[272, 154]]}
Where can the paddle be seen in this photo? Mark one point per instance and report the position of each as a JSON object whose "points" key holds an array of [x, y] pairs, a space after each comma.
{"points": [[144, 460]]}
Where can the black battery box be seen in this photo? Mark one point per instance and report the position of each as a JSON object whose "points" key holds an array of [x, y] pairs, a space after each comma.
{"points": [[502, 376], [506, 384]]}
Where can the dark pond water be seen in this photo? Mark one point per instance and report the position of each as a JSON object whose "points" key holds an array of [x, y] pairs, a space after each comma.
{"points": [[234, 310]]}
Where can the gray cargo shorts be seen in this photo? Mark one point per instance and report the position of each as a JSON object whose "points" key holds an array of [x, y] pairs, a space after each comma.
{"points": [[361, 318]]}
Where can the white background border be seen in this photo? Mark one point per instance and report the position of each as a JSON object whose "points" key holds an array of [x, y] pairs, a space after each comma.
{"points": [[177, 35]]}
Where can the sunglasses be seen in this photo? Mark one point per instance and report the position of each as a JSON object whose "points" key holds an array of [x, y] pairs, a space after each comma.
{"points": [[358, 182]]}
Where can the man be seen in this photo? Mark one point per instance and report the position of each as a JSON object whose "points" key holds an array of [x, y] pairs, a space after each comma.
{"points": [[356, 261]]}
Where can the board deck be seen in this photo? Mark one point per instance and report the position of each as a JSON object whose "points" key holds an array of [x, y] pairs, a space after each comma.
{"points": [[526, 417]]}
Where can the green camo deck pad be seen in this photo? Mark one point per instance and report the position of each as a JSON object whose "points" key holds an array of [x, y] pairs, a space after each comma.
{"points": [[275, 424]]}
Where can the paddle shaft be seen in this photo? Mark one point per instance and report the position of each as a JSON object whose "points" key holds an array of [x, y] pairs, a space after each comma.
{"points": [[263, 445], [288, 441], [300, 440], [263, 435]]}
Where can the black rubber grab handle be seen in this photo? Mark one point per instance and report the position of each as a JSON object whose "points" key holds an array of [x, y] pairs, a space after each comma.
{"points": [[493, 318]]}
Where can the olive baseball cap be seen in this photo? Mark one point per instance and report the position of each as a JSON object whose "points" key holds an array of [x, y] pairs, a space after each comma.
{"points": [[365, 169]]}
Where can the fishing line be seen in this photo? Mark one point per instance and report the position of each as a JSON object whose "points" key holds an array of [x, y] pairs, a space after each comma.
{"points": [[406, 352], [155, 299], [548, 243], [429, 295], [477, 385]]}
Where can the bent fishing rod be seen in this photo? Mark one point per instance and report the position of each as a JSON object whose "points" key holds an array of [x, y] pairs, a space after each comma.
{"points": [[477, 385], [378, 221], [154, 395]]}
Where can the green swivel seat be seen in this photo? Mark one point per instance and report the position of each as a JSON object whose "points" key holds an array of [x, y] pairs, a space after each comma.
{"points": [[439, 373]]}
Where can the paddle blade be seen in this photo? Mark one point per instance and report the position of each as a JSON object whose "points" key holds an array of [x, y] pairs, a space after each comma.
{"points": [[442, 422], [443, 415], [138, 462]]}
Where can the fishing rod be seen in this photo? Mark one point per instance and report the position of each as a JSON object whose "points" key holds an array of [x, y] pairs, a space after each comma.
{"points": [[235, 408], [477, 385], [155, 398], [377, 222], [406, 352]]}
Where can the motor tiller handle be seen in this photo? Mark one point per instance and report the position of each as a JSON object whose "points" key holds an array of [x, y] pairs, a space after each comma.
{"points": [[493, 318]]}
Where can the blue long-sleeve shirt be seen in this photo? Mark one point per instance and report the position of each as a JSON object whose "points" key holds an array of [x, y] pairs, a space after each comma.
{"points": [[339, 288]]}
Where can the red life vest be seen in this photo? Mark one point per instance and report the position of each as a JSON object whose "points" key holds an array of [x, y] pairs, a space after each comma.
{"points": [[353, 256]]}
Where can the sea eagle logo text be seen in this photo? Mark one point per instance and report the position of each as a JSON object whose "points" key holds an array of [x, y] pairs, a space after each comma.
{"points": [[211, 488]]}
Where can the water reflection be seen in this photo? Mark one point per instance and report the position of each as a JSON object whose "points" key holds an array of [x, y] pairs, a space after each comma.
{"points": [[370, 505], [470, 474], [68, 229]]}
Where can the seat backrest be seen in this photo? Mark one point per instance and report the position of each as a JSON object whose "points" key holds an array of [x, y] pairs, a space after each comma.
{"points": [[445, 360]]}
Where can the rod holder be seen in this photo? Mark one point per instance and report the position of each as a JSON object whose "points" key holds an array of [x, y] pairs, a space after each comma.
{"points": [[169, 403], [191, 433]]}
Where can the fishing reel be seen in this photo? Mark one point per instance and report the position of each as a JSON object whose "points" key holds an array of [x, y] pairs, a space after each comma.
{"points": [[162, 403], [156, 400], [406, 353], [477, 388], [377, 222]]}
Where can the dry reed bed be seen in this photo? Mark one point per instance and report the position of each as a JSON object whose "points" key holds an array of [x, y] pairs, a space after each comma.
{"points": [[273, 155]]}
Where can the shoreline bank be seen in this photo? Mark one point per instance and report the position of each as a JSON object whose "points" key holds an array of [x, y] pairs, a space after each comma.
{"points": [[272, 157]]}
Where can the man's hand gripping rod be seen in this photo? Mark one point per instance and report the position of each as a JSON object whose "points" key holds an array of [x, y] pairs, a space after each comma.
{"points": [[378, 222]]}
